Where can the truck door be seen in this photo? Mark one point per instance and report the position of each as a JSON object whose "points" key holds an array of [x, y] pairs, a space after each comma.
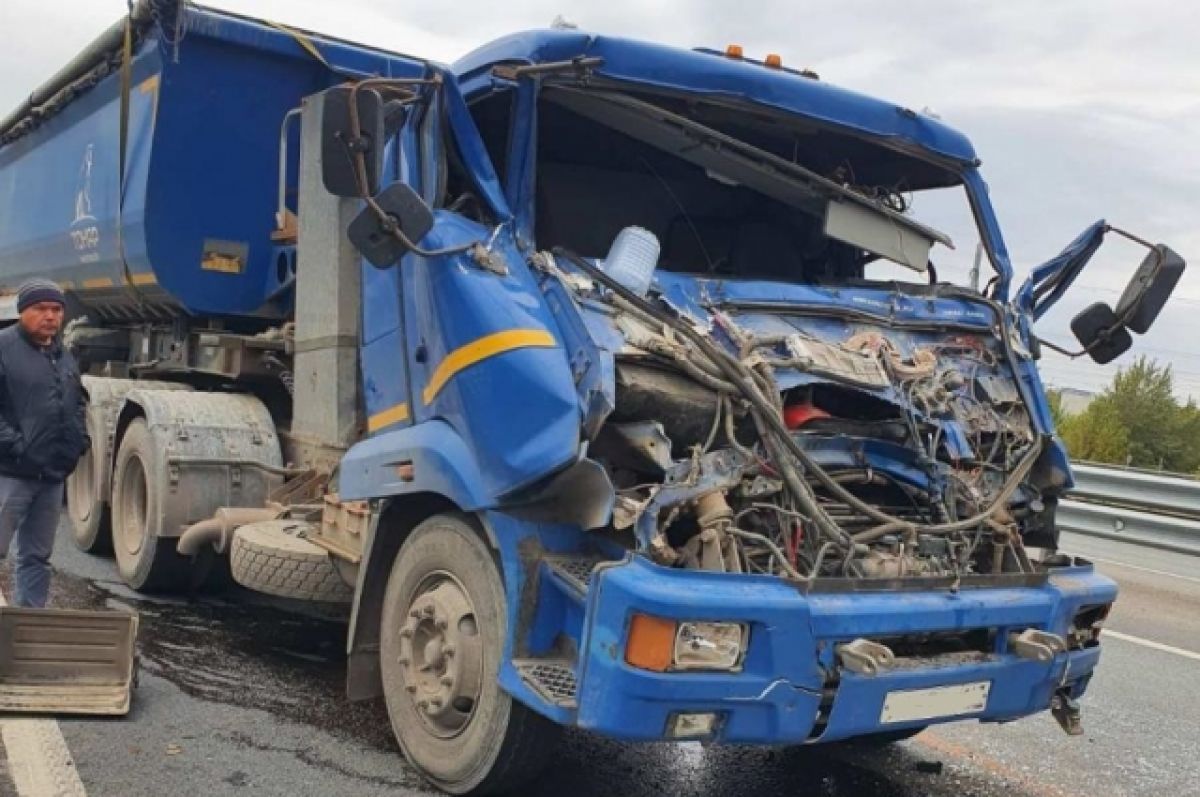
{"points": [[481, 353]]}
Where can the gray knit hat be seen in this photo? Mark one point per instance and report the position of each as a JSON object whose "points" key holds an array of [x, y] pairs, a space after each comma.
{"points": [[38, 290]]}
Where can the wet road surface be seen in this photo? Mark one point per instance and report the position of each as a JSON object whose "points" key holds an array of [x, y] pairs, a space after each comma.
{"points": [[240, 694]]}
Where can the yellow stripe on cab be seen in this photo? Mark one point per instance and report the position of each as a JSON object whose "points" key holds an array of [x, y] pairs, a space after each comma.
{"points": [[387, 417], [481, 349]]}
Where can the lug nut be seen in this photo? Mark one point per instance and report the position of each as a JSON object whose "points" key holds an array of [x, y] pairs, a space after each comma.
{"points": [[411, 689], [415, 614]]}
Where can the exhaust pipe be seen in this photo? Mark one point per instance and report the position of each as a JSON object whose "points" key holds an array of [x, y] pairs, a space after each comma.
{"points": [[217, 530]]}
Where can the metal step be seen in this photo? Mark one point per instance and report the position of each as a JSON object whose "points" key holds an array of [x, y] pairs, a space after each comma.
{"points": [[575, 570], [66, 661], [553, 679]]}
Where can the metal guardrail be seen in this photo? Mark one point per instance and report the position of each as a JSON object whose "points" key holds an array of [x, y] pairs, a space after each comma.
{"points": [[1142, 489], [1136, 506], [1129, 525]]}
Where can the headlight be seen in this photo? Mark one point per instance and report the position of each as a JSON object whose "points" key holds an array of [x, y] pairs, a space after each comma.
{"points": [[709, 646], [662, 645]]}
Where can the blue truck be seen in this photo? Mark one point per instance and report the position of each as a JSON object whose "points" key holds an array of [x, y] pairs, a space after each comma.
{"points": [[580, 370]]}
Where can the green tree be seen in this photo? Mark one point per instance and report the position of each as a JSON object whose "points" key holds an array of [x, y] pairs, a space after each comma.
{"points": [[1161, 433], [1097, 434], [1057, 413]]}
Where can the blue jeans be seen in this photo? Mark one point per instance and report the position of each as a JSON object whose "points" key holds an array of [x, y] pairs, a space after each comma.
{"points": [[29, 510]]}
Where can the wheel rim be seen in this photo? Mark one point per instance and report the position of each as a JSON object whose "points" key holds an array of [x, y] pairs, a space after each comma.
{"points": [[134, 501], [80, 495], [441, 655]]}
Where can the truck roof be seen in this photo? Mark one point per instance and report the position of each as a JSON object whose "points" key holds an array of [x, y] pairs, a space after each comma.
{"points": [[659, 67]]}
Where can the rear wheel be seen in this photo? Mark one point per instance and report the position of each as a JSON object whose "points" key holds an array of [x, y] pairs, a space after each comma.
{"points": [[441, 643], [86, 504], [146, 560]]}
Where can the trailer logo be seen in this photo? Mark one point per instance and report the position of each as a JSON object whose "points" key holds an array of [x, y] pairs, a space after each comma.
{"points": [[83, 197], [85, 235]]}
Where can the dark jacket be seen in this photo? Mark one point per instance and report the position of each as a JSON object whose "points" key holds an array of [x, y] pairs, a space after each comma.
{"points": [[42, 407]]}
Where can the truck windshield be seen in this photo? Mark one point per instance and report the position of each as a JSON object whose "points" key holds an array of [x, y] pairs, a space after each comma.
{"points": [[737, 193]]}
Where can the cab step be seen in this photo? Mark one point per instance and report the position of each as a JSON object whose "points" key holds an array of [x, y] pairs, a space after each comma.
{"points": [[575, 571], [552, 679]]}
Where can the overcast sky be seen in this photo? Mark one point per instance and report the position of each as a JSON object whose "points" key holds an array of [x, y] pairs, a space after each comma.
{"points": [[1080, 110]]}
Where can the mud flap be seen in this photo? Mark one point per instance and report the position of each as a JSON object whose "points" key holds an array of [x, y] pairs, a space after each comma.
{"points": [[66, 661]]}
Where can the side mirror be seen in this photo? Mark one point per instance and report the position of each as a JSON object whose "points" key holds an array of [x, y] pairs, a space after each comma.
{"points": [[341, 143], [1099, 330], [375, 237], [1103, 331], [1151, 286]]}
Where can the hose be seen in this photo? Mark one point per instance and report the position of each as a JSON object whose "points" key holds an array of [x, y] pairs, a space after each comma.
{"points": [[766, 416]]}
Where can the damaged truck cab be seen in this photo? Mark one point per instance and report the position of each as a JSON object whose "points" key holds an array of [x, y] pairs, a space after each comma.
{"points": [[756, 497], [617, 385]]}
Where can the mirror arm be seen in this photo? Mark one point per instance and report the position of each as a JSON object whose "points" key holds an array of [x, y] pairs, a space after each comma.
{"points": [[1121, 320], [355, 150], [1101, 339], [388, 223], [1129, 235], [1067, 352]]}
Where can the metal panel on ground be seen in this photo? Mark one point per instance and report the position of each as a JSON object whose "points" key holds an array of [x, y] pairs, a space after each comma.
{"points": [[66, 661]]}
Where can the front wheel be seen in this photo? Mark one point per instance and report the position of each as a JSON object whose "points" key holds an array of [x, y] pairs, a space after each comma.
{"points": [[441, 642]]}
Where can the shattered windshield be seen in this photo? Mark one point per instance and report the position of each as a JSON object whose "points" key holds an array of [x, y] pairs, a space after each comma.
{"points": [[731, 194]]}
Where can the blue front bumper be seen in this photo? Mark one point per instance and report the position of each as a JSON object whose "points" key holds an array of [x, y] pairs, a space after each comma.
{"points": [[790, 689]]}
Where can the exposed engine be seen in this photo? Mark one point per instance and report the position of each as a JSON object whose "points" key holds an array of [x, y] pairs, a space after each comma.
{"points": [[806, 446]]}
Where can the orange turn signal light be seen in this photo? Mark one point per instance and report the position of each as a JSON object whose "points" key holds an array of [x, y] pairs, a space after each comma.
{"points": [[774, 61], [651, 643], [733, 51]]}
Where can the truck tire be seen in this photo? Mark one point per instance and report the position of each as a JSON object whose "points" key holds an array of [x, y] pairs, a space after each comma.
{"points": [[87, 506], [441, 643], [146, 560], [89, 487], [265, 557]]}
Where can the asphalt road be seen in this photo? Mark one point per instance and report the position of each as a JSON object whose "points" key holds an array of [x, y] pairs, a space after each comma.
{"points": [[242, 695]]}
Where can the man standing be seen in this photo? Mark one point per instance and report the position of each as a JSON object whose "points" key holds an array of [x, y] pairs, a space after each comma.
{"points": [[42, 434]]}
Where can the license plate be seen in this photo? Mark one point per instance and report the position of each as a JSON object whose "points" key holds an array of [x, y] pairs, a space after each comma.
{"points": [[910, 705]]}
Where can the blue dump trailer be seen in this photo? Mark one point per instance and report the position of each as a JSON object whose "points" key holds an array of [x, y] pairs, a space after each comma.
{"points": [[611, 385]]}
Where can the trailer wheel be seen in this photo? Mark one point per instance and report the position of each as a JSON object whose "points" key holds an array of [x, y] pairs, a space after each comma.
{"points": [[441, 643], [146, 561], [86, 504]]}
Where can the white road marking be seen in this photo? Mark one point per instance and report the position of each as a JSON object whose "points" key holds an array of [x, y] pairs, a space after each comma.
{"points": [[1149, 643], [38, 759], [1150, 570]]}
